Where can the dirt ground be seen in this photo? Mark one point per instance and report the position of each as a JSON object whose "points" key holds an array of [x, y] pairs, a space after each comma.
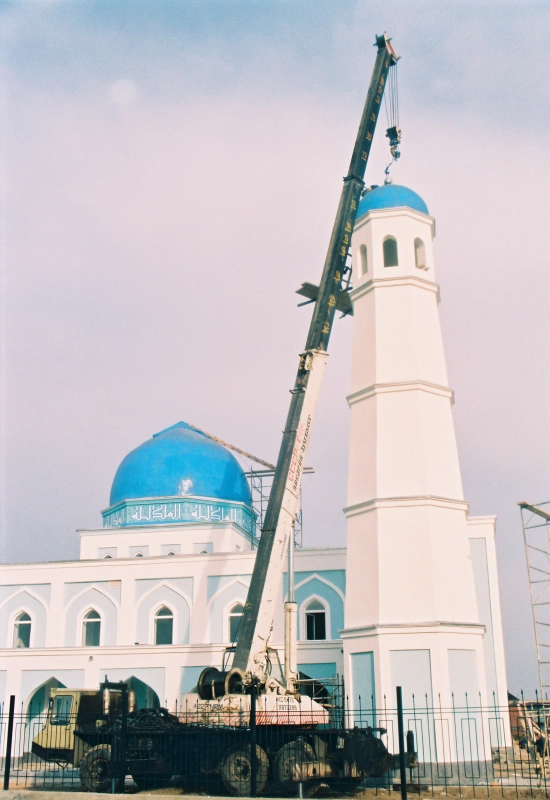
{"points": [[490, 792]]}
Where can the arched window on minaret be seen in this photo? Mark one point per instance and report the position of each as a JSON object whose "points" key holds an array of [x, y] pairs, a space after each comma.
{"points": [[419, 254], [363, 261], [390, 252]]}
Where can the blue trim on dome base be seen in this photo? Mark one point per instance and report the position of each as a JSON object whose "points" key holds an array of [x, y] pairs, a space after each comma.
{"points": [[179, 511]]}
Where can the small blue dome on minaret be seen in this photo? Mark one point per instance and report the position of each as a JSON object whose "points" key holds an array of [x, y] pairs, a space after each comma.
{"points": [[391, 195]]}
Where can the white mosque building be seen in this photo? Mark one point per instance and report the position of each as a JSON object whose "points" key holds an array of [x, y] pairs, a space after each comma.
{"points": [[158, 591]]}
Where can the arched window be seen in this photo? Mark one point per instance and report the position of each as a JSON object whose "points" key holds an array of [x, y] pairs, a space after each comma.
{"points": [[390, 252], [170, 553], [203, 552], [419, 254], [22, 630], [164, 626], [107, 555], [235, 616], [316, 626], [363, 261], [138, 555], [91, 629]]}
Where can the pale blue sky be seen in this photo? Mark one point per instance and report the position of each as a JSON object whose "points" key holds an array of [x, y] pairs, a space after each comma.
{"points": [[171, 174]]}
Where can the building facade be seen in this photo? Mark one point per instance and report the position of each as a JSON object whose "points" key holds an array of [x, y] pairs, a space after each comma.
{"points": [[158, 591]]}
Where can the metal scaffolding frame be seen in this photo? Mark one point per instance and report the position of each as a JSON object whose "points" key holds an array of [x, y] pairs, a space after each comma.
{"points": [[260, 482], [535, 520]]}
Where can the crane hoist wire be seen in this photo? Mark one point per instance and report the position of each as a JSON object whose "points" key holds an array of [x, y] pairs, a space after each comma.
{"points": [[391, 98], [391, 103]]}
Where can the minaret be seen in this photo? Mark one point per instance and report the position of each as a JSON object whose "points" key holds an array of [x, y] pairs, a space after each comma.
{"points": [[413, 615]]}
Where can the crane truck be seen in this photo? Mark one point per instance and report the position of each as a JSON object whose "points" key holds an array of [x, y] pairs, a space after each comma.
{"points": [[294, 741]]}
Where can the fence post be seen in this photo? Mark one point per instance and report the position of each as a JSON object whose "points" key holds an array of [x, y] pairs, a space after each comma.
{"points": [[7, 762], [253, 758], [401, 732]]}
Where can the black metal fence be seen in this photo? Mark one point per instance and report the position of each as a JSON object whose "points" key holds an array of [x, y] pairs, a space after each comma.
{"points": [[243, 752]]}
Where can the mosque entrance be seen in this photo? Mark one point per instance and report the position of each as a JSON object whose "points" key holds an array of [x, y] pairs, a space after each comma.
{"points": [[37, 709]]}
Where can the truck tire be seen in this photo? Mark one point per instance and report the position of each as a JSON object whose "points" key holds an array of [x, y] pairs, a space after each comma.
{"points": [[236, 769], [96, 772], [288, 768]]}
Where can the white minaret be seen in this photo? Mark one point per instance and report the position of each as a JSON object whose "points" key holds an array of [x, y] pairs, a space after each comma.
{"points": [[422, 608]]}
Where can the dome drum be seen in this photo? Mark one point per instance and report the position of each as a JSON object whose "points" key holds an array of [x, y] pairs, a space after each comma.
{"points": [[179, 511]]}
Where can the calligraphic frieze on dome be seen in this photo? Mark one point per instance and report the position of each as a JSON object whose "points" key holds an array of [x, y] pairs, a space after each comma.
{"points": [[164, 511]]}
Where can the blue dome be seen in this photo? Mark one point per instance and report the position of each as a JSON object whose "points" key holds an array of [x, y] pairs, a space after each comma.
{"points": [[180, 461], [391, 195]]}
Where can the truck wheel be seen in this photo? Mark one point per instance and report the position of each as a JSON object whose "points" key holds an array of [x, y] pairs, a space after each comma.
{"points": [[145, 782], [290, 768], [95, 770], [236, 769]]}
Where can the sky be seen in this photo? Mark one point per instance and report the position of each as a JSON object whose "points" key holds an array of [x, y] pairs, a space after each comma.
{"points": [[170, 173]]}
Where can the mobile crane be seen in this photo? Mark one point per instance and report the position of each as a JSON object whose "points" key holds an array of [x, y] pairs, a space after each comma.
{"points": [[210, 736], [251, 653]]}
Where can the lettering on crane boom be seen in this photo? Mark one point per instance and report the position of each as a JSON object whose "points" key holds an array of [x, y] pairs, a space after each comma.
{"points": [[298, 454]]}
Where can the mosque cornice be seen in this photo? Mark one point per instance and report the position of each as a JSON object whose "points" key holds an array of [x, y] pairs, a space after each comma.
{"points": [[110, 567], [158, 529], [97, 653], [387, 283], [429, 627], [404, 502], [395, 211], [401, 386]]}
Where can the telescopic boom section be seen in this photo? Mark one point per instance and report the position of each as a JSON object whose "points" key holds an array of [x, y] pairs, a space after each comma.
{"points": [[257, 619]]}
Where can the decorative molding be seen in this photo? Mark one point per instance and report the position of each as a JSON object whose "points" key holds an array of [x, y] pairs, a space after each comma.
{"points": [[404, 502], [395, 211], [166, 510], [385, 283], [401, 386], [433, 626]]}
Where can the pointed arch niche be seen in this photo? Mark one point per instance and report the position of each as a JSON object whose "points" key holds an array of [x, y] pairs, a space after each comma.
{"points": [[91, 599], [12, 609]]}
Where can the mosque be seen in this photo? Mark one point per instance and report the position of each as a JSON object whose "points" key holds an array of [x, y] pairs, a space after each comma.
{"points": [[158, 591]]}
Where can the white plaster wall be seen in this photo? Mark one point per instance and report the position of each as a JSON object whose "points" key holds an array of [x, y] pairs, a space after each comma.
{"points": [[157, 539], [403, 444], [484, 528], [126, 593], [410, 582]]}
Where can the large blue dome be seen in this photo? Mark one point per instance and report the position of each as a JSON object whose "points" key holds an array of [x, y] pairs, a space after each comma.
{"points": [[391, 195], [180, 461]]}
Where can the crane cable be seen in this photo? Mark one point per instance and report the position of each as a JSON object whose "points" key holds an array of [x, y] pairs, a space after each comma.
{"points": [[391, 103]]}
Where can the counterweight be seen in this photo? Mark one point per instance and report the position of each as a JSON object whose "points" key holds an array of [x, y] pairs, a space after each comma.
{"points": [[257, 619]]}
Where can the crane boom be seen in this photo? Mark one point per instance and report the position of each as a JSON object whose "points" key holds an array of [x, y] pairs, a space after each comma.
{"points": [[257, 619]]}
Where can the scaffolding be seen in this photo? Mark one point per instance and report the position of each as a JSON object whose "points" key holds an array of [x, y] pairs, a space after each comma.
{"points": [[261, 481], [535, 520]]}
